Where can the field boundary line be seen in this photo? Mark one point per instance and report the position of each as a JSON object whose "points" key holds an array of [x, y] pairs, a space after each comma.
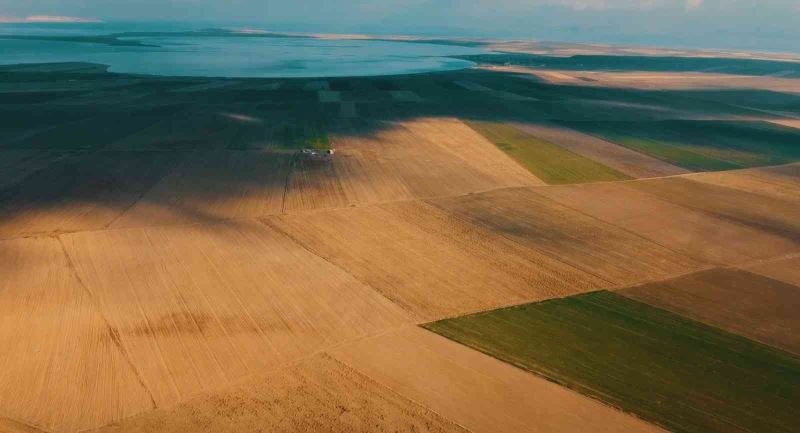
{"points": [[297, 242], [43, 234], [391, 390], [680, 253], [113, 333], [514, 241]]}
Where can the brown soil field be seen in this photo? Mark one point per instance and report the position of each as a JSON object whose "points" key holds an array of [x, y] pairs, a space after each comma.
{"points": [[757, 211], [781, 182], [211, 186], [786, 269], [738, 301], [476, 391], [199, 307], [695, 233], [632, 163], [316, 395], [62, 368], [83, 193], [432, 264], [423, 158], [542, 225]]}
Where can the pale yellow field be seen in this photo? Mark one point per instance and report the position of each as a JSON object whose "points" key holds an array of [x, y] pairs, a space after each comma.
{"points": [[432, 264], [702, 235], [634, 164], [422, 158], [476, 391], [199, 307], [62, 368], [316, 395], [541, 224]]}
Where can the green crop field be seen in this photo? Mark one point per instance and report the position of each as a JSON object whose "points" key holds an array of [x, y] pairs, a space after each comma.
{"points": [[702, 145], [545, 160], [676, 372]]}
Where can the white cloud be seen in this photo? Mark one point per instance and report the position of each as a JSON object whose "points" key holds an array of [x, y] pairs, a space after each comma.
{"points": [[47, 19]]}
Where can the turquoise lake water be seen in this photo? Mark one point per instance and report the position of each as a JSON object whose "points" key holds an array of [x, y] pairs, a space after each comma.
{"points": [[232, 56]]}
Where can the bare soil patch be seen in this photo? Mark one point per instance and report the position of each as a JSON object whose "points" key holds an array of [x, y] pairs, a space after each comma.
{"points": [[738, 301]]}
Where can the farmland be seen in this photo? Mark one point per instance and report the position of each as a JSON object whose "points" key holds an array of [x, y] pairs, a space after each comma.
{"points": [[172, 260], [760, 308], [702, 145], [598, 344], [547, 161]]}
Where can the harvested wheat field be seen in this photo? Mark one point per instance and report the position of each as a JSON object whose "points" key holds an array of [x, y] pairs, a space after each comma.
{"points": [[396, 161], [199, 307], [695, 233], [476, 391], [82, 193], [541, 224], [676, 372], [318, 394], [212, 186], [781, 182], [429, 263], [757, 307], [784, 269], [634, 164], [757, 211], [62, 367]]}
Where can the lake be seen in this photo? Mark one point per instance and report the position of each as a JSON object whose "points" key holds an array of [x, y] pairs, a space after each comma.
{"points": [[232, 54]]}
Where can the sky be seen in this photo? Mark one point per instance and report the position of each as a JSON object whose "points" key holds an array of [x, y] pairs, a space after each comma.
{"points": [[767, 25]]}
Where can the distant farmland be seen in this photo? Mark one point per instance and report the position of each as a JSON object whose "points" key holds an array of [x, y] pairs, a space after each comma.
{"points": [[549, 162], [681, 374], [702, 145]]}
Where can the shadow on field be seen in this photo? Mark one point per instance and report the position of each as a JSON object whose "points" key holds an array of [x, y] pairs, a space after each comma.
{"points": [[153, 145]]}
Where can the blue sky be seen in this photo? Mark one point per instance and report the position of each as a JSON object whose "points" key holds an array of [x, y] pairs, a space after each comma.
{"points": [[745, 24]]}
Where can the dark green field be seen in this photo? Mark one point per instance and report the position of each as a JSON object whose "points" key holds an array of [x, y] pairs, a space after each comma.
{"points": [[551, 163], [702, 145], [681, 374]]}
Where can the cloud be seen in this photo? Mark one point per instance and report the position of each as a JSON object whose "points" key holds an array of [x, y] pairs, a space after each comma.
{"points": [[692, 5], [47, 19]]}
